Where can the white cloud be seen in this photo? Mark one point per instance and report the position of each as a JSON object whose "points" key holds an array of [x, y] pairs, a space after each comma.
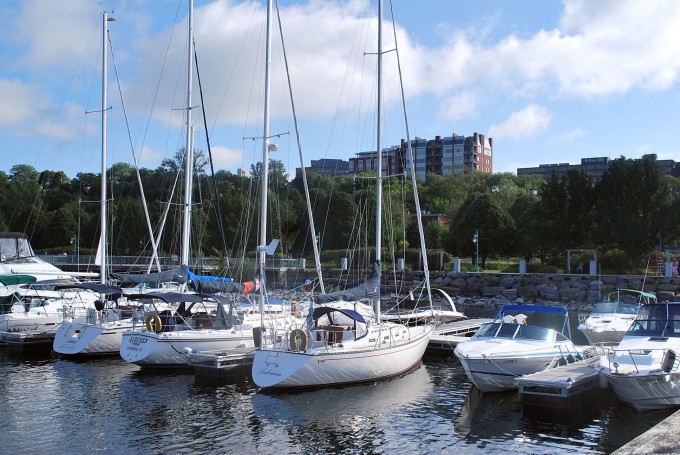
{"points": [[568, 136], [525, 123], [17, 101], [227, 158], [458, 106]]}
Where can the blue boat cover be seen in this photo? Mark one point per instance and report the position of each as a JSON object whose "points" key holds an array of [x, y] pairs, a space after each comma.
{"points": [[169, 297], [369, 289], [176, 275], [323, 310], [113, 291]]}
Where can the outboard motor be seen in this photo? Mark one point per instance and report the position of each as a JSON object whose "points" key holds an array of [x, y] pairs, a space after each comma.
{"points": [[668, 361]]}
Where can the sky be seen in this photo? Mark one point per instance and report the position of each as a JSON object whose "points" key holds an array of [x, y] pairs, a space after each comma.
{"points": [[550, 81]]}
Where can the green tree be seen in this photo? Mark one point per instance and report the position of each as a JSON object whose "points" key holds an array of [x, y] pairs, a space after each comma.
{"points": [[634, 198]]}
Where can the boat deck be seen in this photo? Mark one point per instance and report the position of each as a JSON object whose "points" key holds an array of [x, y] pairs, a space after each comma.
{"points": [[447, 336]]}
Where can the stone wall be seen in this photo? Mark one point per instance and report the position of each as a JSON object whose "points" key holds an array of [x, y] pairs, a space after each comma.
{"points": [[566, 289]]}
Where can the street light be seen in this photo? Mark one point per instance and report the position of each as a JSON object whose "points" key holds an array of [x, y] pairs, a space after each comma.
{"points": [[475, 240], [74, 242]]}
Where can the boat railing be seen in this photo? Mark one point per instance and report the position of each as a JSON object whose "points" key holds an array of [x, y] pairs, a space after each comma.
{"points": [[669, 362]]}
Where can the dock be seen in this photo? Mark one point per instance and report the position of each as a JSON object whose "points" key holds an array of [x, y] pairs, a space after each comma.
{"points": [[558, 387], [447, 336], [218, 365], [662, 438], [27, 341]]}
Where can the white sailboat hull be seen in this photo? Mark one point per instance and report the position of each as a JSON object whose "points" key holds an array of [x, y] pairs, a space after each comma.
{"points": [[340, 365], [82, 338], [170, 349]]}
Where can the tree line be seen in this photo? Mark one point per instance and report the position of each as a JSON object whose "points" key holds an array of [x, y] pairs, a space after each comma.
{"points": [[633, 208]]}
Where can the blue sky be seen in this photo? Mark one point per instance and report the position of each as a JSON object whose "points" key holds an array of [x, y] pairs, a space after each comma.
{"points": [[550, 81]]}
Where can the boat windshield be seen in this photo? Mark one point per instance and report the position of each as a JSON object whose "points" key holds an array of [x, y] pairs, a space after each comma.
{"points": [[518, 331], [617, 307], [657, 320], [13, 248]]}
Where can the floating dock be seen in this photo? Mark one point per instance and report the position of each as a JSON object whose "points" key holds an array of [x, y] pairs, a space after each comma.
{"points": [[27, 341], [557, 387], [221, 365], [447, 336]]}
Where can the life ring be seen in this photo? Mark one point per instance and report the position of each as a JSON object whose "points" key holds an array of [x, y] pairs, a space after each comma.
{"points": [[298, 340], [153, 323]]}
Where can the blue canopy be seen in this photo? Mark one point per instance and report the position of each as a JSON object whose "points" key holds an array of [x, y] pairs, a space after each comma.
{"points": [[322, 311], [113, 291], [169, 297]]}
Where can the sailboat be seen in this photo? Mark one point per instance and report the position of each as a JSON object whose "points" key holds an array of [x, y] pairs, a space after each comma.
{"points": [[96, 327], [338, 345], [166, 343]]}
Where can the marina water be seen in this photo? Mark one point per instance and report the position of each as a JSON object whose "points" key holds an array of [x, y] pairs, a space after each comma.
{"points": [[50, 404]]}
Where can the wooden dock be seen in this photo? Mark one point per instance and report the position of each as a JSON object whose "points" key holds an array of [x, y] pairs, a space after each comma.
{"points": [[447, 336], [558, 387]]}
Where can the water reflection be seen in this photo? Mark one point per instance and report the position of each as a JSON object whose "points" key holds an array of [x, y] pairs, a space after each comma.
{"points": [[55, 405]]}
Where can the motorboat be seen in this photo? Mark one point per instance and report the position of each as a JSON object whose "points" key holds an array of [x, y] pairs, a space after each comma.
{"points": [[38, 308], [643, 370], [17, 258], [610, 320], [522, 339]]}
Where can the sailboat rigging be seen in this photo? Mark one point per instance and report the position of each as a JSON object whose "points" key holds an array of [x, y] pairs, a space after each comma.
{"points": [[340, 344]]}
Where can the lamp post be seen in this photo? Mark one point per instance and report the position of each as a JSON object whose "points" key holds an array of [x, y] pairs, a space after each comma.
{"points": [[74, 242], [475, 240]]}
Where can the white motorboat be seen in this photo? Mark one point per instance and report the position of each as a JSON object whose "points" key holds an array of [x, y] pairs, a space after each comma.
{"points": [[609, 321], [643, 370], [521, 340], [39, 308], [17, 258]]}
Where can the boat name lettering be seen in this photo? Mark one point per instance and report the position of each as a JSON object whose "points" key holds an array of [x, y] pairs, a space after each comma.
{"points": [[268, 372], [138, 340]]}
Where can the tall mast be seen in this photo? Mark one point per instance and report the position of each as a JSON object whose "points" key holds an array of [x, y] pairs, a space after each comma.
{"points": [[265, 158], [378, 189], [189, 155], [102, 237]]}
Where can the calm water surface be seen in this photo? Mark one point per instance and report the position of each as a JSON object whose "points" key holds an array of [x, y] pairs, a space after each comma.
{"points": [[50, 404]]}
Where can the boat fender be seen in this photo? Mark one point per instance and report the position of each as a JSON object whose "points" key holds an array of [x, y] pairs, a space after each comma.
{"points": [[603, 381], [153, 324], [668, 361], [298, 340]]}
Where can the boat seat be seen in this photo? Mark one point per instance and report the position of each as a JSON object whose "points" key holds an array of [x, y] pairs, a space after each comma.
{"points": [[334, 333], [203, 321]]}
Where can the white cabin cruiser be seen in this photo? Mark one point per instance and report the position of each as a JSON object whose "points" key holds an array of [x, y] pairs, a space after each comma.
{"points": [[610, 320], [519, 341], [643, 370]]}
